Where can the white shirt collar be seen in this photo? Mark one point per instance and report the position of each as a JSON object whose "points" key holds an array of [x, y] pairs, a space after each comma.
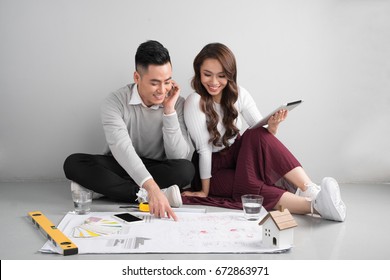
{"points": [[135, 99]]}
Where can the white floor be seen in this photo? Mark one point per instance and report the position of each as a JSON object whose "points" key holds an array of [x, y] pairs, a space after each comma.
{"points": [[364, 235]]}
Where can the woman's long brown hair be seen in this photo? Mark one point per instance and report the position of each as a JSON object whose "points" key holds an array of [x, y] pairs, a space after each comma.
{"points": [[225, 56]]}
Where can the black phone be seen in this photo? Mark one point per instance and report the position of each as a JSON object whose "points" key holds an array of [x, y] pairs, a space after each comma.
{"points": [[171, 90], [127, 218]]}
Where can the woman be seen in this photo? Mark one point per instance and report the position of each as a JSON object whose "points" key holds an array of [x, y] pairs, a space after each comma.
{"points": [[230, 165]]}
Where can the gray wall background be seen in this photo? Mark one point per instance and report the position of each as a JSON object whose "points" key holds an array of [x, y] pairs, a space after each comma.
{"points": [[59, 59]]}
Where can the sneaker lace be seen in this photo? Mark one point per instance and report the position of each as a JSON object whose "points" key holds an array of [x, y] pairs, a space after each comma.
{"points": [[142, 195]]}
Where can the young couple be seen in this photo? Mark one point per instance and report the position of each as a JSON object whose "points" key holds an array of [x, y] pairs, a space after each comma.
{"points": [[145, 125]]}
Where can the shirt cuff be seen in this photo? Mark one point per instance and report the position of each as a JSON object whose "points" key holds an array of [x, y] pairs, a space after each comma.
{"points": [[144, 180], [171, 114]]}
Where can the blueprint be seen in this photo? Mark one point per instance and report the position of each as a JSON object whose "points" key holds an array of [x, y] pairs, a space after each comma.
{"points": [[218, 232]]}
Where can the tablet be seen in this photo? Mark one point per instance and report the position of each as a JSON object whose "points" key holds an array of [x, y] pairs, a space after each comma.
{"points": [[288, 106]]}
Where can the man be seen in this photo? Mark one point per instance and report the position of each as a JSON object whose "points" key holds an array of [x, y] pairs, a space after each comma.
{"points": [[147, 139]]}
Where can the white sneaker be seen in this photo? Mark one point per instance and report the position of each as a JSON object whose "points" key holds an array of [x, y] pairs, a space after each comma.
{"points": [[75, 186], [172, 193], [142, 195], [328, 202], [310, 193]]}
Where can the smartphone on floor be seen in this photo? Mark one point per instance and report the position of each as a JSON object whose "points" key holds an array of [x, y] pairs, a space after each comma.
{"points": [[127, 218]]}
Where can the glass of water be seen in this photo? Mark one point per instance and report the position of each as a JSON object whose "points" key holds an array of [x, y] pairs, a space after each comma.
{"points": [[252, 203], [82, 200]]}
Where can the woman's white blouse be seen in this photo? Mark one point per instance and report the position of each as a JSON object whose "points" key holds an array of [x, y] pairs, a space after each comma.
{"points": [[195, 120]]}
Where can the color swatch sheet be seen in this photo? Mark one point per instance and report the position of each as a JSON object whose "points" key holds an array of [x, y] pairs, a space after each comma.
{"points": [[97, 226], [219, 232]]}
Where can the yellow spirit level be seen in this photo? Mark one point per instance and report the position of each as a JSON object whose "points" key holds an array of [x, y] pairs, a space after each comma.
{"points": [[52, 233]]}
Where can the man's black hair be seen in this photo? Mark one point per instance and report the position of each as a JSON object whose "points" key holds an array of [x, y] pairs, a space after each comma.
{"points": [[151, 53]]}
